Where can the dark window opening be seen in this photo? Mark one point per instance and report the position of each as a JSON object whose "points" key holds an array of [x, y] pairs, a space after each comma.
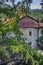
{"points": [[30, 33], [30, 43], [7, 0]]}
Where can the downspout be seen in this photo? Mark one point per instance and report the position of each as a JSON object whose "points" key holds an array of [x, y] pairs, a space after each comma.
{"points": [[37, 33]]}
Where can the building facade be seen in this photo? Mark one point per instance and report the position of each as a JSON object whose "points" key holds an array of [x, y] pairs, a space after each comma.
{"points": [[30, 29]]}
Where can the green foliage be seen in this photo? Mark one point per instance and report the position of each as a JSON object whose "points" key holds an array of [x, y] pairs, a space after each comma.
{"points": [[10, 12], [37, 14], [41, 62], [31, 56], [17, 45], [40, 39], [4, 55]]}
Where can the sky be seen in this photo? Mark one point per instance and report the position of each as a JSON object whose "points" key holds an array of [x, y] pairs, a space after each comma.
{"points": [[35, 4]]}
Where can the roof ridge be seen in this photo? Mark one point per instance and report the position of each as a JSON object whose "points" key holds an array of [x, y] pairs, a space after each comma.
{"points": [[29, 17]]}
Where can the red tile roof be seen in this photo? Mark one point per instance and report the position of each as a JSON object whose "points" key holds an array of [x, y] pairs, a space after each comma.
{"points": [[41, 25], [29, 22]]}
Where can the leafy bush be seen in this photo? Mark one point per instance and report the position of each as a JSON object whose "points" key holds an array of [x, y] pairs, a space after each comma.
{"points": [[40, 40], [11, 46]]}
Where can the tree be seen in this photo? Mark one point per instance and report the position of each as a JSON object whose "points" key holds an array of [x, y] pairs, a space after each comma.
{"points": [[23, 8], [40, 40], [41, 3], [12, 47], [26, 4]]}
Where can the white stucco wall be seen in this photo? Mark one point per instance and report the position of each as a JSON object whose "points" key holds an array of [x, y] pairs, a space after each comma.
{"points": [[40, 32], [31, 38]]}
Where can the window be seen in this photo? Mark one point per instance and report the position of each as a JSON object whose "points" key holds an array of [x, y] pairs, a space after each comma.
{"points": [[30, 33], [30, 43]]}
